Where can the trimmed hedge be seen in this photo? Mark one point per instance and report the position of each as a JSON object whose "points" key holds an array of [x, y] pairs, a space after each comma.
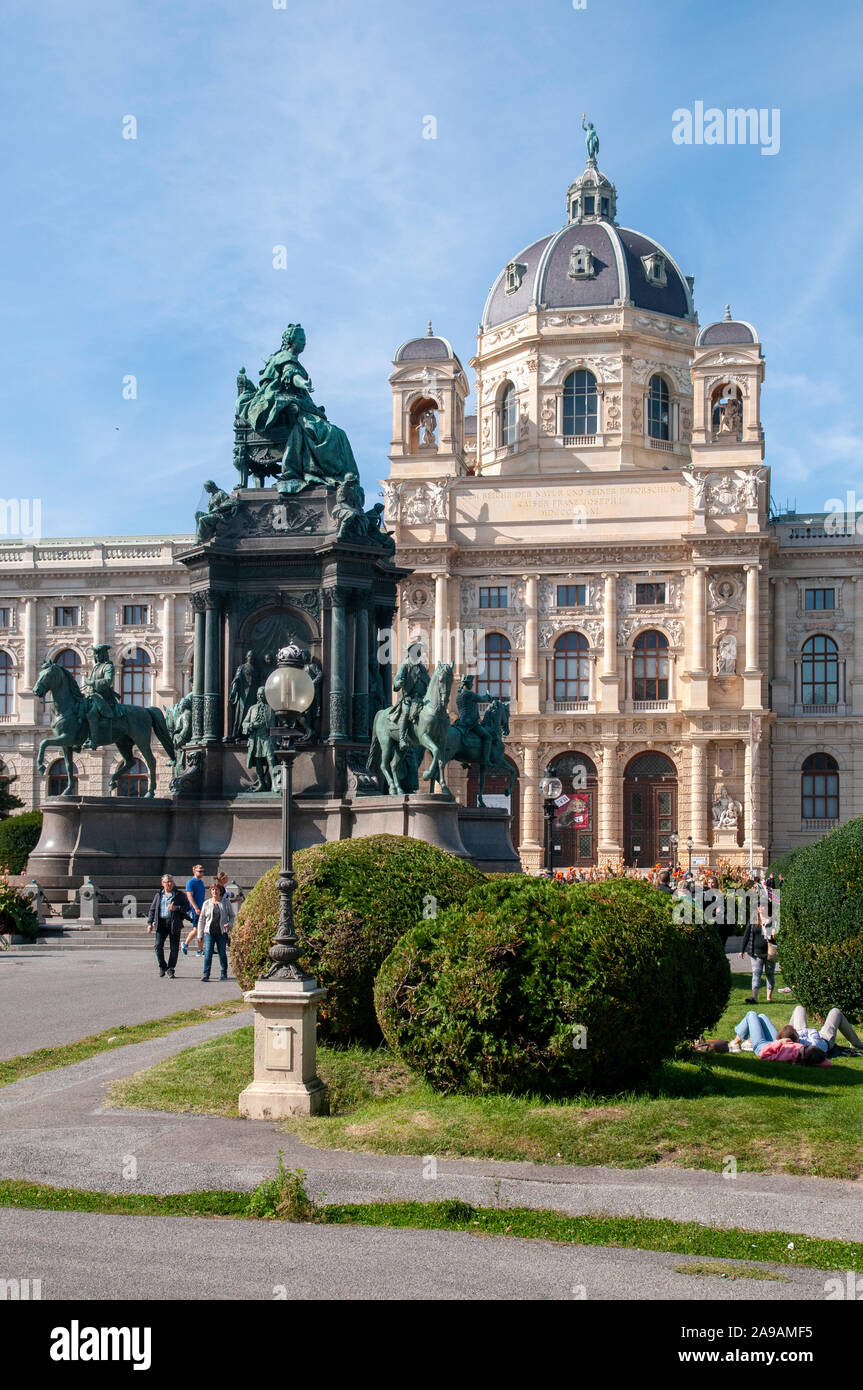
{"points": [[820, 936], [19, 835], [492, 995], [354, 899], [782, 863]]}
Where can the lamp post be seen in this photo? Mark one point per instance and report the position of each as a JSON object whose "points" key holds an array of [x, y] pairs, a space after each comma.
{"points": [[675, 841], [550, 788], [286, 999], [689, 843]]}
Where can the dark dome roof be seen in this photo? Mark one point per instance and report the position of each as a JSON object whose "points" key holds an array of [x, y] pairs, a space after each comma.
{"points": [[619, 273], [430, 348], [725, 332]]}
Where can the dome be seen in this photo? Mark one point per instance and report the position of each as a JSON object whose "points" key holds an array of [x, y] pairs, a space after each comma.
{"points": [[430, 348], [726, 331], [590, 263]]}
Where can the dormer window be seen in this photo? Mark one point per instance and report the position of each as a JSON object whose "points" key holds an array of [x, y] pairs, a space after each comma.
{"points": [[589, 204], [654, 269], [581, 265], [604, 206], [515, 273]]}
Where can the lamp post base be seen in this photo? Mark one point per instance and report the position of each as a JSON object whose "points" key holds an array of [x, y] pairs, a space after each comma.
{"points": [[285, 1081]]}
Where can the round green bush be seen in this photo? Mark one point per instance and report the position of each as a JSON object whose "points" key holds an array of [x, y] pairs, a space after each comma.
{"points": [[820, 935], [19, 835], [354, 899], [493, 995]]}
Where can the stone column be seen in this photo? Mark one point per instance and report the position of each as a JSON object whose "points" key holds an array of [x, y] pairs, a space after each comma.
{"points": [[857, 688], [699, 653], [529, 684], [441, 619], [198, 672], [168, 627], [781, 691], [361, 669], [339, 730], [610, 788], [212, 730], [609, 679], [98, 619], [752, 618], [698, 795], [531, 846], [29, 643]]}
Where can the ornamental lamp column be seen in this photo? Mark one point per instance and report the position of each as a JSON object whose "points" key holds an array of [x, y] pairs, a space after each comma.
{"points": [[550, 788], [286, 999]]}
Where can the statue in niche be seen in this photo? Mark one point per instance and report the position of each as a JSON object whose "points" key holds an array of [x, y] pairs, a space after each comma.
{"points": [[725, 810], [428, 426], [260, 754], [241, 695], [730, 416], [726, 656]]}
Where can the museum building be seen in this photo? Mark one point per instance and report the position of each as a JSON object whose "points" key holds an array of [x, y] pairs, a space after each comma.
{"points": [[595, 544]]}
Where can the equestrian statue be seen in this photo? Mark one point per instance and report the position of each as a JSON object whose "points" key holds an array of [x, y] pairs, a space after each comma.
{"points": [[97, 719], [478, 741], [416, 724]]}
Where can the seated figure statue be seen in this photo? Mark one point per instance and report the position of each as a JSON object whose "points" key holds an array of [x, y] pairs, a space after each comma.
{"points": [[282, 408]]}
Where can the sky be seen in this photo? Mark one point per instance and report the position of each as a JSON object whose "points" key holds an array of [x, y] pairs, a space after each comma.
{"points": [[266, 123]]}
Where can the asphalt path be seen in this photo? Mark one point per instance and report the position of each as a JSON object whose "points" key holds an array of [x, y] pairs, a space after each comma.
{"points": [[52, 997], [79, 1255]]}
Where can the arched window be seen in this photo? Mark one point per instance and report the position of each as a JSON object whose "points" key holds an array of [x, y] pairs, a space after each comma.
{"points": [[136, 679], [71, 662], [571, 667], [135, 782], [57, 779], [658, 410], [820, 671], [508, 416], [5, 776], [494, 672], [650, 666], [7, 684], [579, 403], [819, 788]]}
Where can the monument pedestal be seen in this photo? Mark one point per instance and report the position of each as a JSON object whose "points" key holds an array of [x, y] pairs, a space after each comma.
{"points": [[725, 838], [286, 1080]]}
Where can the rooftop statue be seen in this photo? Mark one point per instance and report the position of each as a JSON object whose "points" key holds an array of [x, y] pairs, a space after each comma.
{"points": [[281, 409], [591, 138]]}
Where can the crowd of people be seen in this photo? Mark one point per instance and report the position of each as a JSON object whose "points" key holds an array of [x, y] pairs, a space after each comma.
{"points": [[211, 915]]}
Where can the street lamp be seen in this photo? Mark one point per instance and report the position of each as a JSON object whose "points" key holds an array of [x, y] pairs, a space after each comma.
{"points": [[550, 788], [675, 841], [286, 999], [689, 843], [289, 692]]}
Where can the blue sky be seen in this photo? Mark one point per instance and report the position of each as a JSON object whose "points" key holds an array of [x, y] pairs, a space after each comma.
{"points": [[302, 126]]}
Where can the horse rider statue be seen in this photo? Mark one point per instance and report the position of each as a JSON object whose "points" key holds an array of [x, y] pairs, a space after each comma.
{"points": [[103, 703], [411, 681], [468, 701]]}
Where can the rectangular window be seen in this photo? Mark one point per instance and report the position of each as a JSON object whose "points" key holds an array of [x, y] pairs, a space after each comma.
{"points": [[589, 204], [5, 617], [66, 617], [571, 595], [135, 614], [494, 597], [650, 594], [818, 599]]}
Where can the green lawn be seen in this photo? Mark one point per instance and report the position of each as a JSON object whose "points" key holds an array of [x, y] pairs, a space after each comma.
{"points": [[770, 1117]]}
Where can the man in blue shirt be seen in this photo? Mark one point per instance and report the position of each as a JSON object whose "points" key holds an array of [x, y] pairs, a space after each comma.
{"points": [[167, 913], [196, 894]]}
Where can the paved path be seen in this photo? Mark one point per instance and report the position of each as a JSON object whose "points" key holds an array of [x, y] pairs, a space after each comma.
{"points": [[78, 1256], [54, 1128], [50, 997]]}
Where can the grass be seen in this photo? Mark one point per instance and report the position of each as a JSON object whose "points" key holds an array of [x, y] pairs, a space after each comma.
{"points": [[621, 1232], [64, 1054], [768, 1116]]}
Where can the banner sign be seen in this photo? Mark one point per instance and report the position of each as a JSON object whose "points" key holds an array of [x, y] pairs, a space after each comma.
{"points": [[573, 811]]}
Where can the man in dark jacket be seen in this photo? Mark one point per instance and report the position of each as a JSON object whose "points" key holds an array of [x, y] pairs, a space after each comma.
{"points": [[168, 912]]}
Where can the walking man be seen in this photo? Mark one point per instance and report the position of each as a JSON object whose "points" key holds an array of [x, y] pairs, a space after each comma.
{"points": [[196, 892], [166, 916]]}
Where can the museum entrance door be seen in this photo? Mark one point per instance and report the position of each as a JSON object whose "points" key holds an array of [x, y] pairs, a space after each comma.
{"points": [[574, 844], [649, 810]]}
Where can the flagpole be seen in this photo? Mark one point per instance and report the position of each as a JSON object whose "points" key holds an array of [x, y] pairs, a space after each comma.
{"points": [[751, 799]]}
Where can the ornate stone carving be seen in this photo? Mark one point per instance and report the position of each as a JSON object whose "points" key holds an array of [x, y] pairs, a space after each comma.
{"points": [[726, 593], [579, 320], [549, 414], [612, 415], [725, 811], [726, 655]]}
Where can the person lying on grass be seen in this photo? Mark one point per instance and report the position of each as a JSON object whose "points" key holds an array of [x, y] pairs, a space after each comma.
{"points": [[796, 1042]]}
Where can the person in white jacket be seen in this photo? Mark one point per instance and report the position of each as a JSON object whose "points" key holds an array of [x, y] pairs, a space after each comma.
{"points": [[214, 929]]}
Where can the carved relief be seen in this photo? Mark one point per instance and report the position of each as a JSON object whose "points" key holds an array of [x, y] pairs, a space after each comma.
{"points": [[549, 415]]}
